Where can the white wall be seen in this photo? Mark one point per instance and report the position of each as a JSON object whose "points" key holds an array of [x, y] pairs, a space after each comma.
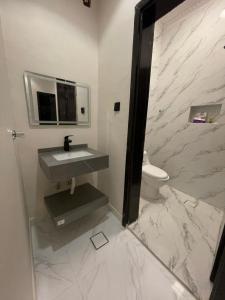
{"points": [[189, 55], [28, 30], [115, 58], [192, 38], [15, 259], [56, 38]]}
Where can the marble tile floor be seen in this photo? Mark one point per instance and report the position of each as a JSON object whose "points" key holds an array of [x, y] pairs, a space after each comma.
{"points": [[67, 267], [183, 233]]}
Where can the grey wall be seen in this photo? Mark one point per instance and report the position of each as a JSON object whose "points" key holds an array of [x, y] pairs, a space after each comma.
{"points": [[188, 69]]}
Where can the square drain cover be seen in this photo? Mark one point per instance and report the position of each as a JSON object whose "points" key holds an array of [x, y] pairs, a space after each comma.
{"points": [[99, 240]]}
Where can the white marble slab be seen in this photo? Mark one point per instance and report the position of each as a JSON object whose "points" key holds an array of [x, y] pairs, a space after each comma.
{"points": [[67, 266], [188, 69], [183, 233]]}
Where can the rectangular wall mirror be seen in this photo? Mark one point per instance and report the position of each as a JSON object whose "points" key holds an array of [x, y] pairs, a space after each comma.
{"points": [[56, 102]]}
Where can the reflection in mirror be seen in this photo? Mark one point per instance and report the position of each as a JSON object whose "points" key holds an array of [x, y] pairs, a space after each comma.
{"points": [[53, 101]]}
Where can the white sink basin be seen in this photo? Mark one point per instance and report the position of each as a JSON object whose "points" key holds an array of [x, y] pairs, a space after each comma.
{"points": [[72, 155]]}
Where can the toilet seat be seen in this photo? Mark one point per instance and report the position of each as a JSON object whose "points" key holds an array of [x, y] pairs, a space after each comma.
{"points": [[155, 172]]}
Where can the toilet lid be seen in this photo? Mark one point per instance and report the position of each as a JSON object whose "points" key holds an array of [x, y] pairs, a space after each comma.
{"points": [[155, 172]]}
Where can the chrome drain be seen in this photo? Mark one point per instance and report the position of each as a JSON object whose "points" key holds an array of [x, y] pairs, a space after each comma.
{"points": [[99, 240]]}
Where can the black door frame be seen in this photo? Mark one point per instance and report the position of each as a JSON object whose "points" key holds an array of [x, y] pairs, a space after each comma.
{"points": [[147, 12]]}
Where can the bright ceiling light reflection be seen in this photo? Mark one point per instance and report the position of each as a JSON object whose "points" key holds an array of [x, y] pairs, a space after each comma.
{"points": [[222, 15]]}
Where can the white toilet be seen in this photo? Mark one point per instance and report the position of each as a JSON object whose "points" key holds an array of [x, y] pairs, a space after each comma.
{"points": [[152, 179]]}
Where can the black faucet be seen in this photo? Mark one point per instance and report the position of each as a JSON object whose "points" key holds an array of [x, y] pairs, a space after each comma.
{"points": [[67, 142]]}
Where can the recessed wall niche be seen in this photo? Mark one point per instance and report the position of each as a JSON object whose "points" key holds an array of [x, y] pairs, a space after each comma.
{"points": [[205, 114]]}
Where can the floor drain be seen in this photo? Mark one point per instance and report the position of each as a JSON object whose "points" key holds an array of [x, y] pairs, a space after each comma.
{"points": [[99, 240]]}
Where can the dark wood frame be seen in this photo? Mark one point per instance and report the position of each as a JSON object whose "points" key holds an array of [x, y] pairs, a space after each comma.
{"points": [[147, 12]]}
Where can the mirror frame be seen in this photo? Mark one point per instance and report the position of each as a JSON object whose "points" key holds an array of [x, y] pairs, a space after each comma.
{"points": [[26, 76]]}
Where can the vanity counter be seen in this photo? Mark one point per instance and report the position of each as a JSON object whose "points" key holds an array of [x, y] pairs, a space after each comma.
{"points": [[65, 169]]}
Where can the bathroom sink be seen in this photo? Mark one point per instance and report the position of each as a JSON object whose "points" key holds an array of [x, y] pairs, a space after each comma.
{"points": [[72, 154], [59, 165]]}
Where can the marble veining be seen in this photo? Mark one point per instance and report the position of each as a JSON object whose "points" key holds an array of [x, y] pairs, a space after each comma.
{"points": [[183, 233], [67, 266], [182, 228], [188, 69]]}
